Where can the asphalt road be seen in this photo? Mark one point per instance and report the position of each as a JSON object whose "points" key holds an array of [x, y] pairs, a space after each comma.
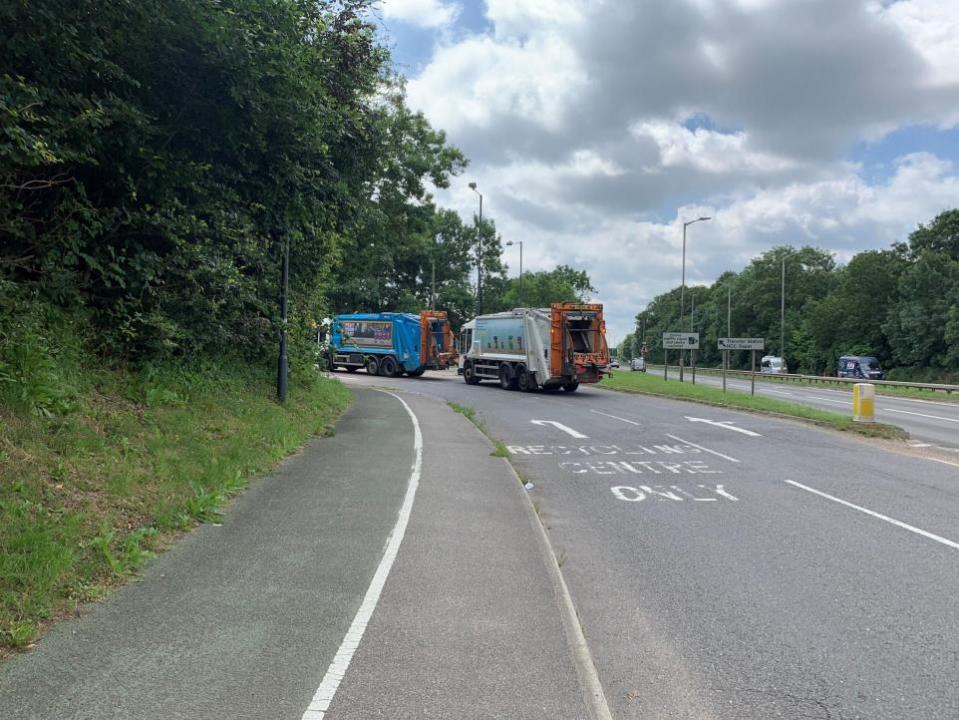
{"points": [[248, 620], [927, 421], [753, 569], [723, 566]]}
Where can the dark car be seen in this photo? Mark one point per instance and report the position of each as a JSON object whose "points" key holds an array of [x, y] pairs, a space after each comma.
{"points": [[865, 367]]}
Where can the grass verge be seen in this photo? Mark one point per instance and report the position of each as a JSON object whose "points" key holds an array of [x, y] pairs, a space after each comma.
{"points": [[649, 384], [890, 390], [500, 449], [89, 494]]}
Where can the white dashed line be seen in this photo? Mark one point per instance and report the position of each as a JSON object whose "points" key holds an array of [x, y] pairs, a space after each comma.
{"points": [[828, 400], [931, 417], [886, 518], [704, 449], [616, 417]]}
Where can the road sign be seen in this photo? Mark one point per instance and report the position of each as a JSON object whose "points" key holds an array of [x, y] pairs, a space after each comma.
{"points": [[742, 343], [680, 341]]}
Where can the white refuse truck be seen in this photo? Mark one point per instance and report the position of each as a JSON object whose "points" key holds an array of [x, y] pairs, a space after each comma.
{"points": [[529, 348]]}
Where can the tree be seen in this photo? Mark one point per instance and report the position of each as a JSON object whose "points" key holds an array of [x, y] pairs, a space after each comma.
{"points": [[941, 235], [541, 289]]}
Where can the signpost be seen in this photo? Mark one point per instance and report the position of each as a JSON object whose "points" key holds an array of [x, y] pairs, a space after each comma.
{"points": [[678, 341], [751, 344]]}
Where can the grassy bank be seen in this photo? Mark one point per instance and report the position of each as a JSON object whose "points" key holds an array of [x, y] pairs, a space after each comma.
{"points": [[653, 384], [93, 487]]}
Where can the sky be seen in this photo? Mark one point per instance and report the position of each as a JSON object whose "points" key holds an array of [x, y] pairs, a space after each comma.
{"points": [[594, 128]]}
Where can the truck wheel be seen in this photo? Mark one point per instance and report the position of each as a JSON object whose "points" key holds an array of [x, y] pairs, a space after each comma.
{"points": [[525, 380], [469, 374], [415, 373], [388, 366], [372, 365], [571, 387], [507, 380]]}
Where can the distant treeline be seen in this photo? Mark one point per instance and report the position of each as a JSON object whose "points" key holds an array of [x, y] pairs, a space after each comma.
{"points": [[900, 305], [156, 155]]}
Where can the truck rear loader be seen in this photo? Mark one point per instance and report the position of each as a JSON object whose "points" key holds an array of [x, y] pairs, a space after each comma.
{"points": [[391, 344], [528, 348]]}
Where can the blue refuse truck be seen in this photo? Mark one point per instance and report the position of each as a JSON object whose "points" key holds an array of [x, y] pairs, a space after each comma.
{"points": [[390, 343]]}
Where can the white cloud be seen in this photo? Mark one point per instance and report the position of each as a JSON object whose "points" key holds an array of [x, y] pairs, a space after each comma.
{"points": [[422, 13], [932, 27], [574, 114], [708, 150]]}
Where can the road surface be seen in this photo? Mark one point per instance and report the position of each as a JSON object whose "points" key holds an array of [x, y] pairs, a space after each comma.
{"points": [[753, 568], [929, 422], [722, 565]]}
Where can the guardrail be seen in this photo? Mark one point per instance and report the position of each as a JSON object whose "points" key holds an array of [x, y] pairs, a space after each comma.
{"points": [[823, 379]]}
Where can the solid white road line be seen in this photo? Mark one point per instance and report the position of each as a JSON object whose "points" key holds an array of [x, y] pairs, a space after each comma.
{"points": [[704, 449], [341, 661], [897, 523], [616, 417], [932, 417]]}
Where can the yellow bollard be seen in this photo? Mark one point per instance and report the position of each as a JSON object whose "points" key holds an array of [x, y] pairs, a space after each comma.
{"points": [[863, 402]]}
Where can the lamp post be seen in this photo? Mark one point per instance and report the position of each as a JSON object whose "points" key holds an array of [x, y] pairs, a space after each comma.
{"points": [[520, 243], [782, 318], [682, 290], [433, 272], [282, 363], [479, 252]]}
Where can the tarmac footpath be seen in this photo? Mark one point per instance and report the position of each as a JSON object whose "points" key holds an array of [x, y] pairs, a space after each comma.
{"points": [[247, 619]]}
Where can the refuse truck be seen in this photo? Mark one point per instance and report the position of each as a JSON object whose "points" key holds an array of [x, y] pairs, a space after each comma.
{"points": [[529, 348], [390, 343]]}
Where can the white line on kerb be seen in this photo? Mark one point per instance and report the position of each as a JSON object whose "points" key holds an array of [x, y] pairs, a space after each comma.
{"points": [[874, 514], [341, 661], [704, 449], [933, 417], [615, 417]]}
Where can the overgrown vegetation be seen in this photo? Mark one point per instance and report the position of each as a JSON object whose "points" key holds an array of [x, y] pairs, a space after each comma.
{"points": [[156, 157], [649, 384], [900, 305], [100, 466]]}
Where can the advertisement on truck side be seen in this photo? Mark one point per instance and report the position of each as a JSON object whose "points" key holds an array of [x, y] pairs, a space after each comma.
{"points": [[369, 333], [504, 336]]}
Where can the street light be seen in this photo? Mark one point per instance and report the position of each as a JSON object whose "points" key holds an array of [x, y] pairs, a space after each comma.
{"points": [[282, 363], [433, 274], [520, 243], [479, 252], [682, 290]]}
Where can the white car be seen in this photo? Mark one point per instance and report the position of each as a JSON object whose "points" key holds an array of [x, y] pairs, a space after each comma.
{"points": [[638, 364], [772, 364]]}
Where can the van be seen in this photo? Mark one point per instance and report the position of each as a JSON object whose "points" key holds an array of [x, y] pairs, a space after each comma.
{"points": [[865, 367], [638, 364], [772, 364]]}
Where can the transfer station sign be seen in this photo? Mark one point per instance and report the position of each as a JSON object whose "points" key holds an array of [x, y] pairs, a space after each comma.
{"points": [[680, 341], [742, 343]]}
